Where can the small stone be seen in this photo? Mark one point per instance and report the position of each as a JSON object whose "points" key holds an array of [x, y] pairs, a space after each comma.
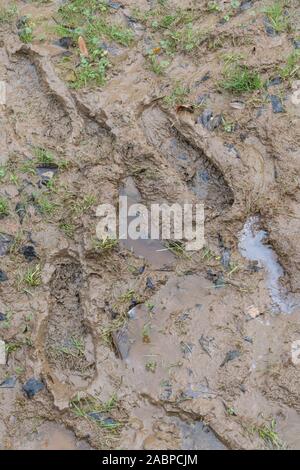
{"points": [[141, 269], [132, 313], [2, 317], [114, 5], [274, 81], [149, 283], [111, 48], [32, 387], [237, 105], [230, 356], [21, 211], [102, 418], [268, 28], [28, 252], [276, 104], [121, 341], [209, 121], [46, 173], [22, 22], [232, 150], [296, 43], [225, 260], [5, 243], [65, 42], [3, 276], [248, 339], [10, 382], [201, 99], [97, 416], [252, 311], [245, 5], [215, 122], [205, 77], [206, 117]]}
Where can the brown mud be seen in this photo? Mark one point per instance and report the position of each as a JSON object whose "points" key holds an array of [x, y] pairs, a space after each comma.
{"points": [[138, 346]]}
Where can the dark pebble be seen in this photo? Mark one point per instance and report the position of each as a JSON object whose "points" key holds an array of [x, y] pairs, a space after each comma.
{"points": [[141, 269], [2, 316], [3, 276], [205, 117], [201, 99], [22, 22], [28, 252], [232, 150], [216, 278], [276, 104], [230, 356], [269, 29], [149, 283], [101, 418], [215, 122], [65, 42], [114, 5], [274, 81], [248, 339], [245, 5], [225, 259], [21, 211], [32, 387], [122, 343], [10, 382], [205, 77], [111, 48], [296, 43], [5, 243], [97, 416]]}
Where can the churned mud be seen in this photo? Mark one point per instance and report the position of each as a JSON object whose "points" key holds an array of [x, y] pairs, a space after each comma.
{"points": [[140, 344]]}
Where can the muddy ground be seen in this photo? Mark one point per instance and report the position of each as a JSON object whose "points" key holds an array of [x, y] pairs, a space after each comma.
{"points": [[131, 347]]}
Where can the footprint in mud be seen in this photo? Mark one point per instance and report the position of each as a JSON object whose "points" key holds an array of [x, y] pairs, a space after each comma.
{"points": [[69, 347], [200, 175], [35, 114]]}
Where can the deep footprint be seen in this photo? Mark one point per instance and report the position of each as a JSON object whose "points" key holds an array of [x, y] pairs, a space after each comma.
{"points": [[200, 175], [68, 344]]}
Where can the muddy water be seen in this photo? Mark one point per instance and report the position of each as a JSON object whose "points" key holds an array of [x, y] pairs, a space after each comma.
{"points": [[171, 374], [252, 247], [153, 251], [51, 436]]}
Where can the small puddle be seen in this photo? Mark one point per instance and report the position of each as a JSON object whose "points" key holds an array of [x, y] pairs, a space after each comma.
{"points": [[152, 251], [252, 247], [197, 436], [52, 436]]}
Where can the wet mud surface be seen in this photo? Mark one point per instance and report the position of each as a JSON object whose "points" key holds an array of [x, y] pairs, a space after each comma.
{"points": [[136, 344]]}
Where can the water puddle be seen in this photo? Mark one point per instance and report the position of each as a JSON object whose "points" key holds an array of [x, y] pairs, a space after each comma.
{"points": [[252, 247], [152, 251], [197, 436], [52, 436]]}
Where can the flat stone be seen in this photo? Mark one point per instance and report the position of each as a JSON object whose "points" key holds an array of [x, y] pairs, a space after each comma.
{"points": [[3, 276], [10, 382], [5, 243], [276, 104], [32, 387]]}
